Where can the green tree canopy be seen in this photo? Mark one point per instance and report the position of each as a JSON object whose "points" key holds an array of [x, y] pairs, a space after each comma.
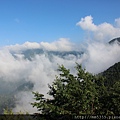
{"points": [[72, 94]]}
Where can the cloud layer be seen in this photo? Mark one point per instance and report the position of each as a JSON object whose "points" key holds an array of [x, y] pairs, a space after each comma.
{"points": [[62, 44]]}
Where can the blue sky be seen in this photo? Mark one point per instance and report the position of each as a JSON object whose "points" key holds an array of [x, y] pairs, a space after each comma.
{"points": [[49, 20]]}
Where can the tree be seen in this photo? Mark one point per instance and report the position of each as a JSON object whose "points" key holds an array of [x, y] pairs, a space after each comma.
{"points": [[72, 94]]}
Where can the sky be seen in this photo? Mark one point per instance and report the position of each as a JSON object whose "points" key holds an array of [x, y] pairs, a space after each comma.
{"points": [[49, 20]]}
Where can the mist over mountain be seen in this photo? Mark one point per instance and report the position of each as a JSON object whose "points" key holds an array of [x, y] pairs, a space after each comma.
{"points": [[31, 53], [115, 40], [31, 66]]}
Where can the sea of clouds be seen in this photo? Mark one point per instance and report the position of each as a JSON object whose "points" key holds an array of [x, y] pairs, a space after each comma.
{"points": [[98, 56]]}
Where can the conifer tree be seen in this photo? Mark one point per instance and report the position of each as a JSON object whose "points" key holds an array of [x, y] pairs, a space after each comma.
{"points": [[72, 94]]}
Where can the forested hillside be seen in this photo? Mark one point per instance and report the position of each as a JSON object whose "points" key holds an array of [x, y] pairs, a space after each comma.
{"points": [[112, 74]]}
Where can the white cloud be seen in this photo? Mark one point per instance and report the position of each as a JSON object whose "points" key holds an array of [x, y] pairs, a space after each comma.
{"points": [[104, 31], [100, 56], [31, 45], [87, 23], [117, 21], [63, 44], [26, 45]]}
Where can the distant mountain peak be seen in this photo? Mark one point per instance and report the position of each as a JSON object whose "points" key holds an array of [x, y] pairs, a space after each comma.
{"points": [[115, 40]]}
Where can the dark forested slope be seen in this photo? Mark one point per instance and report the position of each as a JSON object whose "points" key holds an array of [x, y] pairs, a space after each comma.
{"points": [[112, 74]]}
